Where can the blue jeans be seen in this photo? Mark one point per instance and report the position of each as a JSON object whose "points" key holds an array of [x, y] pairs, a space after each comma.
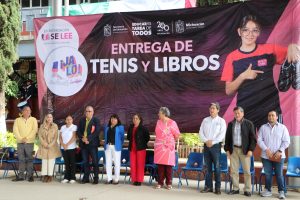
{"points": [[212, 157], [278, 169]]}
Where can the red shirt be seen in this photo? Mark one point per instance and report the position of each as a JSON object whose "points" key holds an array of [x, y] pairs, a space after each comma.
{"points": [[133, 144], [261, 49]]}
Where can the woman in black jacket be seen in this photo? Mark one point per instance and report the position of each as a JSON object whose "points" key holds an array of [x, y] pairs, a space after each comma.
{"points": [[138, 137]]}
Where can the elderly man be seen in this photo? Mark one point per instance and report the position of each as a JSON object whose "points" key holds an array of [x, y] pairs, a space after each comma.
{"points": [[88, 133], [25, 129], [212, 132], [273, 139], [240, 142]]}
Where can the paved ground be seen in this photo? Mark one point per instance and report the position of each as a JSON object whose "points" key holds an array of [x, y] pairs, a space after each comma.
{"points": [[55, 191]]}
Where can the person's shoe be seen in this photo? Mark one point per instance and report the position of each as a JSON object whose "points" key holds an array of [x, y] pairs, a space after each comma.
{"points": [[84, 181], [266, 193], [45, 180], [207, 190], [49, 179], [281, 195], [18, 179], [296, 75], [247, 194], [285, 76], [65, 181], [138, 183], [95, 182], [234, 192], [109, 182], [72, 181], [157, 186], [30, 179], [134, 183], [169, 187], [217, 191], [115, 182]]}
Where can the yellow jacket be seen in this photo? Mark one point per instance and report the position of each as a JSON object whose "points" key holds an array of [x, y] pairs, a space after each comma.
{"points": [[25, 129]]}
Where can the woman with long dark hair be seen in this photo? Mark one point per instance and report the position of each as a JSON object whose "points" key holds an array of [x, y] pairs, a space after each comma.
{"points": [[114, 139], [67, 140], [138, 136]]}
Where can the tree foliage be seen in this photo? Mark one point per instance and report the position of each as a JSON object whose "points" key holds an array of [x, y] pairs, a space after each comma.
{"points": [[9, 37]]}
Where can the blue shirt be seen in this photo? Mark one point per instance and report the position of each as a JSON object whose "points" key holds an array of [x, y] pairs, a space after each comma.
{"points": [[119, 137]]}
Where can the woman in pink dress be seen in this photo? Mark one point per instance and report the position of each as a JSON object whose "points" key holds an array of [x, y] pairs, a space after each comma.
{"points": [[167, 132]]}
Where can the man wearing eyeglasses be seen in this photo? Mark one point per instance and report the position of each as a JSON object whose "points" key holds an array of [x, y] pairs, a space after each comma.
{"points": [[212, 133], [88, 133]]}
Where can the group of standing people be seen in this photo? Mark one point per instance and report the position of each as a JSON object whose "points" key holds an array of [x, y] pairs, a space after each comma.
{"points": [[25, 130], [88, 132], [246, 69], [240, 142]]}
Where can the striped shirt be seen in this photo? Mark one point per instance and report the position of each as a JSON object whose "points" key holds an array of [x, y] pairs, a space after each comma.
{"points": [[237, 136], [274, 138]]}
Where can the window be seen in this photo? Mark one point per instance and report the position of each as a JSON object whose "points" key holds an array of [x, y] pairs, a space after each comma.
{"points": [[36, 3], [44, 3], [25, 3], [72, 2], [33, 3]]}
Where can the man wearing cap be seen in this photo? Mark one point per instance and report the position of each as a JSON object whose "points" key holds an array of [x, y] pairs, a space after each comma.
{"points": [[25, 129], [212, 132]]}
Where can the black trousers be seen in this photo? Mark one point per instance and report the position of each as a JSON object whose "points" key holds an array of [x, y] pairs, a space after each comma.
{"points": [[90, 152], [70, 164]]}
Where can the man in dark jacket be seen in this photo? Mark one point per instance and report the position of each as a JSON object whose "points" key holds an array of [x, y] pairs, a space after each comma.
{"points": [[240, 142], [88, 133]]}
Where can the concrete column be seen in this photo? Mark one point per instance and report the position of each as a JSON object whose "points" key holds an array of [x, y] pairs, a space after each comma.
{"points": [[57, 7], [67, 8]]}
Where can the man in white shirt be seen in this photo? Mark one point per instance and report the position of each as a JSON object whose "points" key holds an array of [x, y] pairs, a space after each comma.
{"points": [[212, 132], [273, 139]]}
